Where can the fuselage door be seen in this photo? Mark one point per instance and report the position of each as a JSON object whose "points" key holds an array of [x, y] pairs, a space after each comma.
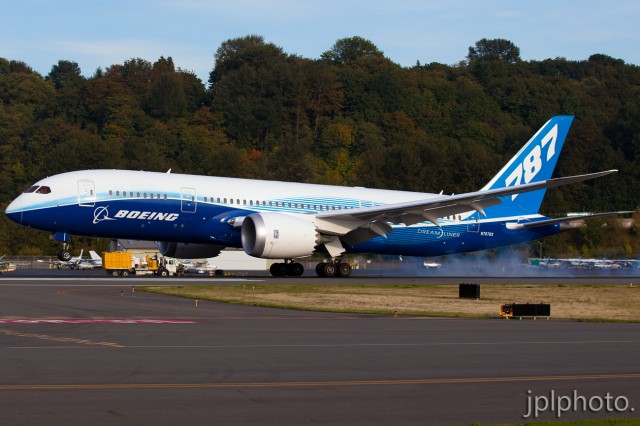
{"points": [[188, 200], [473, 225], [86, 193]]}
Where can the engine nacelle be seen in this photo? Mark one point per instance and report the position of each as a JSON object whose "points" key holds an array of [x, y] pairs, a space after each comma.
{"points": [[188, 250], [278, 236]]}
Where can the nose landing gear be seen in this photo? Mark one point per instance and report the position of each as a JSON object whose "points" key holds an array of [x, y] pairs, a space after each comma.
{"points": [[64, 254]]}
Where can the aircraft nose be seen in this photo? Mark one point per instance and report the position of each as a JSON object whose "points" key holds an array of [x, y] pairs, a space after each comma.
{"points": [[14, 210]]}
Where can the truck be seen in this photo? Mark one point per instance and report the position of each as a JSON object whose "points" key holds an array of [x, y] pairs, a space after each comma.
{"points": [[122, 263], [520, 310]]}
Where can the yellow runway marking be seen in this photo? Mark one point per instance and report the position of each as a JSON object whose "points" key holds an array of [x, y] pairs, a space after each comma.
{"points": [[336, 383], [58, 339], [350, 345], [302, 345]]}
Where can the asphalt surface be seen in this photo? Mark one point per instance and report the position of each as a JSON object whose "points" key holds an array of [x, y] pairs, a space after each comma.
{"points": [[86, 349]]}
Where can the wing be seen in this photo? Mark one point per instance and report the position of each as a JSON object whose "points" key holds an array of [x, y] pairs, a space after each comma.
{"points": [[358, 225]]}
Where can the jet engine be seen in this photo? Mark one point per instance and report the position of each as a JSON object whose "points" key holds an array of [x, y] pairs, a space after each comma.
{"points": [[278, 236], [187, 250]]}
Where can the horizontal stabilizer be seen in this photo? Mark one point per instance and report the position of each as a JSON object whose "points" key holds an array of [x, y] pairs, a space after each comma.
{"points": [[562, 220]]}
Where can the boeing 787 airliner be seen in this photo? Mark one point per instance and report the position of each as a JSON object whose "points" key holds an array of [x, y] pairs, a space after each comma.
{"points": [[199, 216]]}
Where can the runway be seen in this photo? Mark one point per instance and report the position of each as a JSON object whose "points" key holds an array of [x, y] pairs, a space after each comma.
{"points": [[89, 350]]}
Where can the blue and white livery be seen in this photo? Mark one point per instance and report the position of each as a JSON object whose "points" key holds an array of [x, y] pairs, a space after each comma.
{"points": [[198, 216]]}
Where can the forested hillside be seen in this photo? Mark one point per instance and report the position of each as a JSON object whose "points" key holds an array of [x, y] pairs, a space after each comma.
{"points": [[352, 117]]}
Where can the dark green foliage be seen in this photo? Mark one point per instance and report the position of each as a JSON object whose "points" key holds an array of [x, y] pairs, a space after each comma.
{"points": [[353, 117]]}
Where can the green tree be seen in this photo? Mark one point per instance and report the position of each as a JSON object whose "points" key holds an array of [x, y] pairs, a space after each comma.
{"points": [[351, 49], [494, 50], [166, 99]]}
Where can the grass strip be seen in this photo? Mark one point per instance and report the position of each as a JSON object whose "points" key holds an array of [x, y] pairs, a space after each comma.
{"points": [[576, 302]]}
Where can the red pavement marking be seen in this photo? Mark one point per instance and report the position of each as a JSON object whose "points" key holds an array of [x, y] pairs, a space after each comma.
{"points": [[95, 321]]}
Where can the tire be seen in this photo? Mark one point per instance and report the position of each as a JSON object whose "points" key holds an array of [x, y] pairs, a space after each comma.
{"points": [[125, 273], [163, 272], [64, 255], [295, 269], [278, 270], [114, 273], [320, 269], [344, 270], [329, 270]]}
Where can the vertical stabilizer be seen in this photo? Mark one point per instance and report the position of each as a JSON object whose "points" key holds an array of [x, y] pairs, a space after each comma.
{"points": [[534, 162]]}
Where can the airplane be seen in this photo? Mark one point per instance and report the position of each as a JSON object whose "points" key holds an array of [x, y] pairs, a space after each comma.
{"points": [[95, 261], [7, 266], [193, 216], [202, 266], [431, 265]]}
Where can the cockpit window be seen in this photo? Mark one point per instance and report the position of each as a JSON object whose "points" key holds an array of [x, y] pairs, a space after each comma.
{"points": [[43, 190], [32, 189]]}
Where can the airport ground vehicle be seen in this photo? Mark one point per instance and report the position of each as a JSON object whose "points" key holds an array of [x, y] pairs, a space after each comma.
{"points": [[121, 263], [519, 310]]}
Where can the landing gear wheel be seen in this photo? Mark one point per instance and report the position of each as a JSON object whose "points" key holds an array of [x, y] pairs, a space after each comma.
{"points": [[320, 269], [64, 255], [329, 270], [294, 269], [278, 270], [344, 270]]}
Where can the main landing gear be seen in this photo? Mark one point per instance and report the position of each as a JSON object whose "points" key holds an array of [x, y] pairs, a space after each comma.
{"points": [[291, 268], [288, 268], [337, 268]]}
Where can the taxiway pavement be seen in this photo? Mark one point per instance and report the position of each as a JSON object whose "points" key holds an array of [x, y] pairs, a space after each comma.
{"points": [[89, 350]]}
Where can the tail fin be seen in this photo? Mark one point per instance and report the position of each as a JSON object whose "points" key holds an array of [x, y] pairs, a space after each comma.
{"points": [[94, 255], [534, 162]]}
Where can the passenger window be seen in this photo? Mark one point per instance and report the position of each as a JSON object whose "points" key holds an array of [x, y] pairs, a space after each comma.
{"points": [[117, 193]]}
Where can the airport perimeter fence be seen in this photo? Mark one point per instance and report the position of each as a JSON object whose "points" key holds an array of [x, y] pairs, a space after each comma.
{"points": [[31, 262]]}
